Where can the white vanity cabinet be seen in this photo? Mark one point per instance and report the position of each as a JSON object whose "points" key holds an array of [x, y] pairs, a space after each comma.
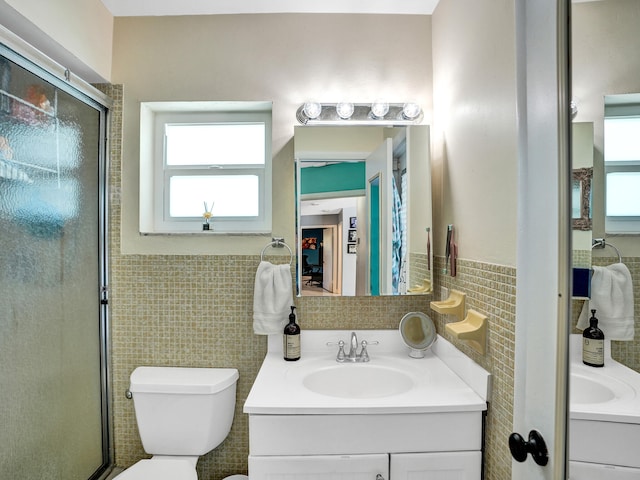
{"points": [[319, 467], [436, 466], [430, 431], [402, 466]]}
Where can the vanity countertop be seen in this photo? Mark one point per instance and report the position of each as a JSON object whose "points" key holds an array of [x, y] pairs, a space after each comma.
{"points": [[437, 379]]}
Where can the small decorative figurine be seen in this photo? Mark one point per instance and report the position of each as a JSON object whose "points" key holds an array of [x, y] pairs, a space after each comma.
{"points": [[207, 215]]}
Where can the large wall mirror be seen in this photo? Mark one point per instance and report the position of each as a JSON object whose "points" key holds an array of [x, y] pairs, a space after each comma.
{"points": [[363, 210], [605, 69]]}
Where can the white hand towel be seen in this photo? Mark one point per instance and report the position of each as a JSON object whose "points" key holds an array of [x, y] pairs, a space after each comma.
{"points": [[612, 298], [272, 298]]}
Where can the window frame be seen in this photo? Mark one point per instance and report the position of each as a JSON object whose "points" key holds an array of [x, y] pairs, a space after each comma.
{"points": [[155, 174]]}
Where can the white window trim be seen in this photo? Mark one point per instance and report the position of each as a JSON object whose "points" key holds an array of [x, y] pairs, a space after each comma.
{"points": [[152, 116]]}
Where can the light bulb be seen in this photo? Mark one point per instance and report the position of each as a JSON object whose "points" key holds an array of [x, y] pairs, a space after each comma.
{"points": [[411, 110], [344, 110], [312, 109], [379, 108]]}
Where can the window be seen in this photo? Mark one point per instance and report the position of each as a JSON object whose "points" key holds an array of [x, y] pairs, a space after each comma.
{"points": [[622, 172], [205, 156]]}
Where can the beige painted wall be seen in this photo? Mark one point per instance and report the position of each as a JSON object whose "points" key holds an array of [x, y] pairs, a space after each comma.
{"points": [[76, 33], [285, 58], [474, 136]]}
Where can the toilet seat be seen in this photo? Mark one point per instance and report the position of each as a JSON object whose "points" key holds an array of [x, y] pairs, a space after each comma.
{"points": [[159, 470]]}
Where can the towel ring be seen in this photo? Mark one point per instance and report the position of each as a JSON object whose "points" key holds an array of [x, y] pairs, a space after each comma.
{"points": [[277, 243], [601, 243]]}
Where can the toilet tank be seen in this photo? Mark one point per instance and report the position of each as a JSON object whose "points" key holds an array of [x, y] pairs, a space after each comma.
{"points": [[183, 411]]}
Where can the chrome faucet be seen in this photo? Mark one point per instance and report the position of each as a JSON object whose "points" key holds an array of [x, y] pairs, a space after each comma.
{"points": [[353, 355], [353, 349]]}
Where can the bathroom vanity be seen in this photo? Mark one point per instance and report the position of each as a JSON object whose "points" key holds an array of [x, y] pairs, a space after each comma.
{"points": [[604, 420], [389, 418]]}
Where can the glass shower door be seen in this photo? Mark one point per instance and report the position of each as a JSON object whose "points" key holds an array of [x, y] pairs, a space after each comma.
{"points": [[52, 323]]}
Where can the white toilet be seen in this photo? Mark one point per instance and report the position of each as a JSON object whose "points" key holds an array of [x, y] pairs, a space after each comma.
{"points": [[182, 413]]}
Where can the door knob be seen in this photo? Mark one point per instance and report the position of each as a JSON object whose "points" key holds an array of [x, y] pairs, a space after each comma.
{"points": [[535, 446]]}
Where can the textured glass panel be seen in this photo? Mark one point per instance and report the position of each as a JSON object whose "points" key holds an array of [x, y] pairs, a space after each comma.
{"points": [[50, 396]]}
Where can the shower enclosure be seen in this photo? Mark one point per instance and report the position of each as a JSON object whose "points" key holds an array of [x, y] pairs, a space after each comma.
{"points": [[53, 318]]}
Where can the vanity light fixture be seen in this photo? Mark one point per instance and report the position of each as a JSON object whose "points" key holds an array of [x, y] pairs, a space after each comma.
{"points": [[312, 109], [347, 113], [379, 108], [411, 110], [345, 110]]}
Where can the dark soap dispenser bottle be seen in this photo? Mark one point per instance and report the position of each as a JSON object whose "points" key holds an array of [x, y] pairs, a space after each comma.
{"points": [[291, 338], [593, 343]]}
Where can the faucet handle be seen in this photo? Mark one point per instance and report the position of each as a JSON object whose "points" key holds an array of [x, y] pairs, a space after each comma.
{"points": [[364, 355], [341, 355]]}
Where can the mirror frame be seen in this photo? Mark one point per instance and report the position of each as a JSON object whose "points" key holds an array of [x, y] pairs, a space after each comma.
{"points": [[584, 176]]}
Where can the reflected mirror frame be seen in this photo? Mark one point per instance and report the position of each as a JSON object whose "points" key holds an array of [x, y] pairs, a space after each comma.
{"points": [[584, 177]]}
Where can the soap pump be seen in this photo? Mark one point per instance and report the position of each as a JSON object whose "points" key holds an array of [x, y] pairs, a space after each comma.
{"points": [[291, 338], [593, 343]]}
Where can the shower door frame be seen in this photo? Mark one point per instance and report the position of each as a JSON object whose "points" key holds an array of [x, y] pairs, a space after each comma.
{"points": [[26, 56]]}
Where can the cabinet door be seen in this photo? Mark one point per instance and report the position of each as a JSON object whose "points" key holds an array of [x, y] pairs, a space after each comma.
{"points": [[319, 467], [436, 466]]}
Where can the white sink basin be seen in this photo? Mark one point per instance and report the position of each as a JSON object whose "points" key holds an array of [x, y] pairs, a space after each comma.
{"points": [[358, 381], [588, 390]]}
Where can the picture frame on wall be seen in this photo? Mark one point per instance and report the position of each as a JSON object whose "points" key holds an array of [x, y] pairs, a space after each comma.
{"points": [[353, 236], [351, 248], [353, 222]]}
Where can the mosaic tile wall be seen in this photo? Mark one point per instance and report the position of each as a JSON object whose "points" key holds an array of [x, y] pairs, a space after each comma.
{"points": [[491, 290], [418, 272]]}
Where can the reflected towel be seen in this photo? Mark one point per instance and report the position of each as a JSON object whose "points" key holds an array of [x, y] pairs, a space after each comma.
{"points": [[612, 298], [272, 298]]}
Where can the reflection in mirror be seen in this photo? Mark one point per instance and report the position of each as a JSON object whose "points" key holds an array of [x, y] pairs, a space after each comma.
{"points": [[622, 163], [605, 65], [582, 149], [581, 198], [363, 197]]}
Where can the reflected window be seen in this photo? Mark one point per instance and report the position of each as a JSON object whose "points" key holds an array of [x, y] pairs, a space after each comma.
{"points": [[622, 170]]}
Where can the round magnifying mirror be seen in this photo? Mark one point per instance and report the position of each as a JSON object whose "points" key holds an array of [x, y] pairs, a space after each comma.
{"points": [[418, 333]]}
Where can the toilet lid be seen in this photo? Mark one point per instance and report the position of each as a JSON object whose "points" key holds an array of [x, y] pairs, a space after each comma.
{"points": [[160, 470]]}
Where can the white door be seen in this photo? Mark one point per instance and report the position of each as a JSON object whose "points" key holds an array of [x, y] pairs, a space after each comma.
{"points": [[362, 248], [327, 259], [379, 193], [542, 304], [436, 466]]}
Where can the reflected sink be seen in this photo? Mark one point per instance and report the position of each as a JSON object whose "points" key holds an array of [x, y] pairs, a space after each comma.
{"points": [[586, 390], [358, 381]]}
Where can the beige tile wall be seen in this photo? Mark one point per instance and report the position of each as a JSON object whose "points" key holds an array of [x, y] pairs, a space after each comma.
{"points": [[491, 290]]}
